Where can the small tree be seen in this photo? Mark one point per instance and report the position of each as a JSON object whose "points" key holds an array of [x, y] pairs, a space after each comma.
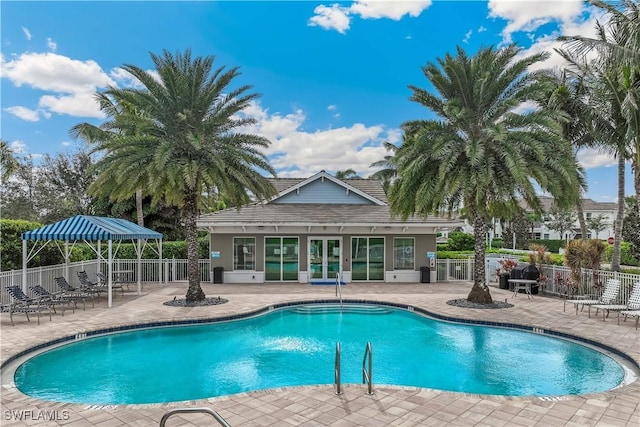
{"points": [[561, 220], [584, 254], [597, 224]]}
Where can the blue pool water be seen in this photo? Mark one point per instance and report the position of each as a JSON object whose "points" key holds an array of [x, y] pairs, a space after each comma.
{"points": [[296, 346]]}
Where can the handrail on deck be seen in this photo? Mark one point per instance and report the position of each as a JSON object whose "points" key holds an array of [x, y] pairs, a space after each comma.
{"points": [[337, 371], [366, 370], [211, 412]]}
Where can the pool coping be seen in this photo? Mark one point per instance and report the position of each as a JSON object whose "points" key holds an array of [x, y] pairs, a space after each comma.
{"points": [[266, 309]]}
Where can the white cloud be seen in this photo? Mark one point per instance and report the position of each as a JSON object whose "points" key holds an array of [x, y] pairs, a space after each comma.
{"points": [[72, 82], [296, 152], [376, 9], [66, 143], [482, 29], [331, 107], [590, 158], [23, 113], [527, 15], [26, 32], [51, 44], [337, 17], [17, 146], [467, 36], [331, 18], [548, 43]]}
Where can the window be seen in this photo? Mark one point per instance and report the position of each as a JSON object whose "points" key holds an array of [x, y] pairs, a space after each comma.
{"points": [[367, 258], [244, 252], [403, 254], [281, 258], [588, 215]]}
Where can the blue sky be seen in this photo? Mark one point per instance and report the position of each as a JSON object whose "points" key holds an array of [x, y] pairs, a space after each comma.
{"points": [[332, 76]]}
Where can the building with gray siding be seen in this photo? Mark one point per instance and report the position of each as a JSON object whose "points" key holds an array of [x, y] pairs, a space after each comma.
{"points": [[318, 228]]}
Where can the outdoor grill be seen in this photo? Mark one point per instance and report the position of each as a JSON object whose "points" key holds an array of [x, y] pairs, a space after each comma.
{"points": [[528, 272]]}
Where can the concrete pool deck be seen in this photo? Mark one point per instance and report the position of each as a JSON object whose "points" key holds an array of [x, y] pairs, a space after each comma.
{"points": [[318, 405]]}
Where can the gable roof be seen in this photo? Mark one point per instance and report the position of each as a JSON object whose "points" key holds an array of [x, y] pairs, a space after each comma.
{"points": [[364, 187], [84, 227]]}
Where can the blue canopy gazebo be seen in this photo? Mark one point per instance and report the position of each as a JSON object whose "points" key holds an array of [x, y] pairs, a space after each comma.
{"points": [[91, 229]]}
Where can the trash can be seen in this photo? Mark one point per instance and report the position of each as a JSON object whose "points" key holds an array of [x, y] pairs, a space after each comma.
{"points": [[217, 274], [425, 275], [504, 280]]}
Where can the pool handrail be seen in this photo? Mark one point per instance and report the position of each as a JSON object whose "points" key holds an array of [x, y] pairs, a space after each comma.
{"points": [[337, 370], [339, 288], [211, 412], [367, 370]]}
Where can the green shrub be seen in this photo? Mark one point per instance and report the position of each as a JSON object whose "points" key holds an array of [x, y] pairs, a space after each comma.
{"points": [[11, 246], [626, 254], [454, 254], [497, 243], [459, 241]]}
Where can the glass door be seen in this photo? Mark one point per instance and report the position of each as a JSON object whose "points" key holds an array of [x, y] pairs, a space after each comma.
{"points": [[324, 258]]}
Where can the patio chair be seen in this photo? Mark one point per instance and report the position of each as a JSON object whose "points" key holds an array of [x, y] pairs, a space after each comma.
{"points": [[72, 293], [89, 286], [611, 290], [52, 300], [115, 284], [23, 304], [632, 304]]}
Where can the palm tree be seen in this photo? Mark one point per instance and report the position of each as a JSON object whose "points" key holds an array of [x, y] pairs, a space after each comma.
{"points": [[388, 165], [569, 97], [346, 174], [481, 152], [618, 45], [192, 143], [124, 120], [8, 163]]}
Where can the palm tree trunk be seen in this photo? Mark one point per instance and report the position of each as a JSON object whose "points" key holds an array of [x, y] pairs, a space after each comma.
{"points": [[190, 214], [480, 291], [581, 221], [636, 171], [617, 229], [139, 207]]}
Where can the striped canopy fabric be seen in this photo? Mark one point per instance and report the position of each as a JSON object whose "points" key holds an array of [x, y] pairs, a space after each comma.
{"points": [[91, 228]]}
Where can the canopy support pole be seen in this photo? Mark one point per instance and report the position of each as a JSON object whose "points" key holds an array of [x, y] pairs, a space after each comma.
{"points": [[110, 275], [139, 253], [24, 266]]}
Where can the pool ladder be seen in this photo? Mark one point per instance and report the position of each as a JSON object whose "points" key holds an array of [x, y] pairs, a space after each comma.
{"points": [[367, 363], [211, 412], [339, 288]]}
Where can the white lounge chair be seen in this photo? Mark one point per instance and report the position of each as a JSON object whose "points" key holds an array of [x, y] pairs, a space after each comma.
{"points": [[632, 313], [611, 290], [632, 304]]}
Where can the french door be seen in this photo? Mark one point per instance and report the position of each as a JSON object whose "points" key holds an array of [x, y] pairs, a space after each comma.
{"points": [[325, 254]]}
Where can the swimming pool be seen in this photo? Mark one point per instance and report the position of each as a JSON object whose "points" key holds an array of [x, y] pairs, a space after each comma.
{"points": [[295, 346]]}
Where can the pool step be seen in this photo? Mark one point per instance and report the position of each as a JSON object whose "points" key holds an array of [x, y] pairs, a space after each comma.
{"points": [[337, 308]]}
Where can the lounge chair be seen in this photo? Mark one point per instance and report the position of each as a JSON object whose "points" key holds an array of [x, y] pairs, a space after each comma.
{"points": [[632, 313], [53, 299], [72, 293], [632, 304], [89, 286], [104, 282], [23, 304], [611, 290]]}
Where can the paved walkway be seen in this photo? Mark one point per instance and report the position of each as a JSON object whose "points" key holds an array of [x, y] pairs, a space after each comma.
{"points": [[318, 405]]}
